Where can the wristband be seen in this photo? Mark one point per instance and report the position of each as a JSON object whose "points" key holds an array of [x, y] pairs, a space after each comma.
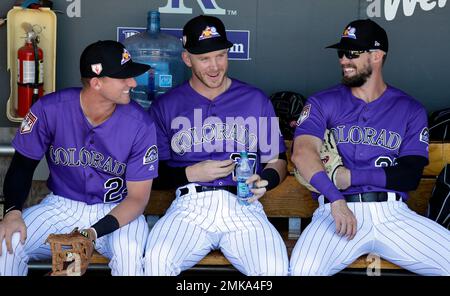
{"points": [[323, 184], [272, 177], [11, 208], [106, 225]]}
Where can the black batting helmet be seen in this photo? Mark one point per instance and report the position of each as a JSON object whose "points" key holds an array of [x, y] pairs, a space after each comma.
{"points": [[288, 105]]}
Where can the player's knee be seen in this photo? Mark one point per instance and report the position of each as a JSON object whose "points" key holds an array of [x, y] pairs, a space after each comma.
{"points": [[128, 263], [275, 271], [154, 266], [127, 260], [158, 262], [276, 265], [127, 266], [301, 268], [152, 253], [298, 271]]}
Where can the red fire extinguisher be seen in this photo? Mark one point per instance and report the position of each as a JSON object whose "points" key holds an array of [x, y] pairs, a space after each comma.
{"points": [[30, 80]]}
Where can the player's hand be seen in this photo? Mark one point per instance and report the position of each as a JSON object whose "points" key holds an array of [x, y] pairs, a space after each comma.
{"points": [[209, 170], [12, 222], [343, 178], [344, 218], [258, 187]]}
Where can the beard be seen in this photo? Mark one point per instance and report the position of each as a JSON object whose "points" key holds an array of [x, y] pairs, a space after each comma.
{"points": [[359, 79]]}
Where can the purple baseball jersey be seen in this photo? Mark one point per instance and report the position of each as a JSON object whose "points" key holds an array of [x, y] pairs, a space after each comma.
{"points": [[191, 128], [86, 163], [368, 135]]}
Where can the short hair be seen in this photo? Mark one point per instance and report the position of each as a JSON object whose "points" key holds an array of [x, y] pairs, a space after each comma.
{"points": [[86, 81]]}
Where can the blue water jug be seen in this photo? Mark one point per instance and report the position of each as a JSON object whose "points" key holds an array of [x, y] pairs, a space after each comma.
{"points": [[163, 53]]}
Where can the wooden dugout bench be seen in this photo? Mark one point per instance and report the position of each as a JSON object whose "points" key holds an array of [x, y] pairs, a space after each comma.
{"points": [[292, 202]]}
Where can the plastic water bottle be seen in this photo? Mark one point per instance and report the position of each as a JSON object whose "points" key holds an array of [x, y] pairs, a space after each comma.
{"points": [[243, 171], [163, 53]]}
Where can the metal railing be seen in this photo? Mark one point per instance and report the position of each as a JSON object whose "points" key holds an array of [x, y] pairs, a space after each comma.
{"points": [[6, 150]]}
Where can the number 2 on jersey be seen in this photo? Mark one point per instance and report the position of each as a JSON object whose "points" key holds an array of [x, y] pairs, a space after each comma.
{"points": [[117, 190]]}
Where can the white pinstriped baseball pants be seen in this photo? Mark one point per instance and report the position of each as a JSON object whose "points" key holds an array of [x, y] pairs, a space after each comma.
{"points": [[56, 214], [197, 223], [389, 229]]}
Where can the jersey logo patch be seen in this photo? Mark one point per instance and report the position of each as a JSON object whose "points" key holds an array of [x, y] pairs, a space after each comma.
{"points": [[304, 115], [151, 155], [425, 135], [27, 123], [97, 68]]}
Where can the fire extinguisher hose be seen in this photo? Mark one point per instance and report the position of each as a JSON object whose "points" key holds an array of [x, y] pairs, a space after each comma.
{"points": [[36, 72]]}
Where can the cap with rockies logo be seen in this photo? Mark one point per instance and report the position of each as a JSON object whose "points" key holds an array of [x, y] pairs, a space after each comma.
{"points": [[204, 34], [363, 35], [109, 58]]}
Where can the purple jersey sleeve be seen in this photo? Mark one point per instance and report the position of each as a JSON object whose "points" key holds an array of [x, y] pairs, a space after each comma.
{"points": [[33, 137], [312, 120], [143, 160], [416, 138], [157, 114]]}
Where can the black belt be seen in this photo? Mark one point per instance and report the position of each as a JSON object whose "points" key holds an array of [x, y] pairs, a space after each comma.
{"points": [[367, 197], [200, 188]]}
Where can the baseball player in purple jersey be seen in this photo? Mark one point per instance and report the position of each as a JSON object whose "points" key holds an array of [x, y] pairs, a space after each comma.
{"points": [[102, 156], [202, 126], [382, 136]]}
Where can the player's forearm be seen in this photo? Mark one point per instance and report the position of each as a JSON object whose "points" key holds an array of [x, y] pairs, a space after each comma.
{"points": [[306, 156], [18, 181], [134, 204], [129, 209]]}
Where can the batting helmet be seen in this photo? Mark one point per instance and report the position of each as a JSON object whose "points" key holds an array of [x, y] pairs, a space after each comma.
{"points": [[439, 204], [288, 105], [439, 125]]}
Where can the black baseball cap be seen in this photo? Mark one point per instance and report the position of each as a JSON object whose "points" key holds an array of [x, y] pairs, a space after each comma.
{"points": [[109, 58], [204, 34], [363, 35]]}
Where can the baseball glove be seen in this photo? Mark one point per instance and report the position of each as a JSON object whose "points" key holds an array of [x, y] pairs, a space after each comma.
{"points": [[330, 158], [71, 252]]}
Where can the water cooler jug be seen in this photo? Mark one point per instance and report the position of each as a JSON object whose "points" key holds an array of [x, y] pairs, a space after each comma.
{"points": [[163, 53]]}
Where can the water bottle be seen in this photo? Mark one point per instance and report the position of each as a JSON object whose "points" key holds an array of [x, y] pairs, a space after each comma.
{"points": [[163, 53], [243, 171]]}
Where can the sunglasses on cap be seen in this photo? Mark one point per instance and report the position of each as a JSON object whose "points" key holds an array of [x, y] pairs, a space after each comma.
{"points": [[351, 54]]}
